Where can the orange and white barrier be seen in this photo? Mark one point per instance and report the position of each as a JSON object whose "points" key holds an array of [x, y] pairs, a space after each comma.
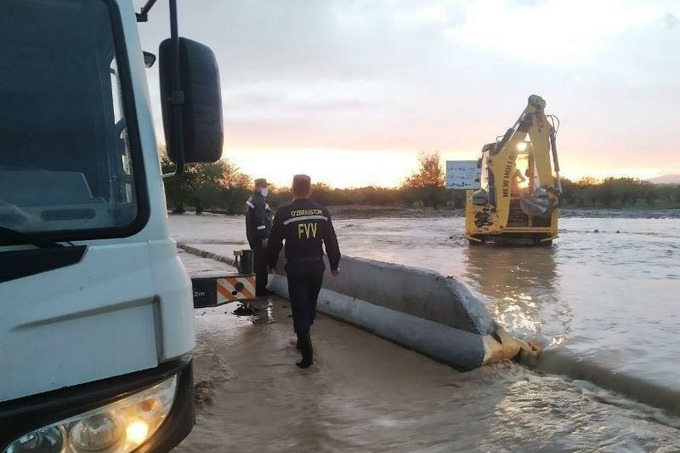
{"points": [[230, 289]]}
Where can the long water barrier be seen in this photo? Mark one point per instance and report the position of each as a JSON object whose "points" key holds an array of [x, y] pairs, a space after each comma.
{"points": [[418, 309]]}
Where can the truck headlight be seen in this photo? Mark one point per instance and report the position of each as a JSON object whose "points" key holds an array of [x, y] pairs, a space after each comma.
{"points": [[119, 427]]}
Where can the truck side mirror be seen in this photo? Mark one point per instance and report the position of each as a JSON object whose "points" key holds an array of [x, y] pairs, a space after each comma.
{"points": [[200, 99]]}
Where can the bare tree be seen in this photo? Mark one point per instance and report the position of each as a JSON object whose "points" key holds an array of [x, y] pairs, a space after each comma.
{"points": [[429, 179]]}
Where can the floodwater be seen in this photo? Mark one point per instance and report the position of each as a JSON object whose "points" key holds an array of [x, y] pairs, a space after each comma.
{"points": [[603, 305]]}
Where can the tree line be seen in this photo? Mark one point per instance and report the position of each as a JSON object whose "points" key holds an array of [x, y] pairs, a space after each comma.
{"points": [[223, 187]]}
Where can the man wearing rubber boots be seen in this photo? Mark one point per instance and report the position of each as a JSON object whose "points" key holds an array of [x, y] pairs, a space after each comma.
{"points": [[304, 226]]}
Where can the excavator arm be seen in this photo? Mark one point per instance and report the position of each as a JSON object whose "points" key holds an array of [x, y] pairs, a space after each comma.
{"points": [[532, 132]]}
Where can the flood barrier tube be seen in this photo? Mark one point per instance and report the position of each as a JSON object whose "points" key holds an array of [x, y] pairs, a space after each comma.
{"points": [[415, 308], [419, 309], [589, 369]]}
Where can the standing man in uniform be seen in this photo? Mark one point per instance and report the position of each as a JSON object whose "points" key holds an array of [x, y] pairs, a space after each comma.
{"points": [[304, 226], [258, 227]]}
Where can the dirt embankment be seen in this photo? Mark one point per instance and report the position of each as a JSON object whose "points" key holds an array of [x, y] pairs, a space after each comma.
{"points": [[368, 211], [365, 211]]}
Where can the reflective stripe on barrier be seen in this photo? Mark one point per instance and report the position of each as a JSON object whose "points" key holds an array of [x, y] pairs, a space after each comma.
{"points": [[230, 289]]}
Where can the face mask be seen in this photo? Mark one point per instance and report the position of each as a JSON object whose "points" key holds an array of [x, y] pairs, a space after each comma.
{"points": [[264, 191]]}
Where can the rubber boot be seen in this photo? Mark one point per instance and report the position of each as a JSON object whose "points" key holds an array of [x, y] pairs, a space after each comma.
{"points": [[306, 350]]}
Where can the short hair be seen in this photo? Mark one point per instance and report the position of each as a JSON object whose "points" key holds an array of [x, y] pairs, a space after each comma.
{"points": [[302, 185]]}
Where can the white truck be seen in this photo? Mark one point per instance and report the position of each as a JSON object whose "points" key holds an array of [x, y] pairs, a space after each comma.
{"points": [[96, 311]]}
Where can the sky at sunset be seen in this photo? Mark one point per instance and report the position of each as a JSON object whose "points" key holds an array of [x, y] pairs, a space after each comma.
{"points": [[351, 91]]}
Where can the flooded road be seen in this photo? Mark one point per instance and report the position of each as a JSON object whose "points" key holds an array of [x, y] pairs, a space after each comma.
{"points": [[601, 303], [368, 395]]}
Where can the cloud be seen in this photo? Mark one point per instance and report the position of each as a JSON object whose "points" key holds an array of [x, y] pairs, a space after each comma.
{"points": [[320, 96], [551, 32], [670, 21], [449, 75]]}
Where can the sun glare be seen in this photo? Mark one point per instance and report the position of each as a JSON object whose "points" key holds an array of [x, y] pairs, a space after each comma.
{"points": [[338, 168], [361, 168]]}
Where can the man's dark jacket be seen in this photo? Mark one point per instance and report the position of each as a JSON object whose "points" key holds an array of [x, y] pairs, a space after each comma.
{"points": [[258, 220], [306, 227]]}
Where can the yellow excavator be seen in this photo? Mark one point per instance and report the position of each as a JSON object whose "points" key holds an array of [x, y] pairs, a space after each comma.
{"points": [[519, 183]]}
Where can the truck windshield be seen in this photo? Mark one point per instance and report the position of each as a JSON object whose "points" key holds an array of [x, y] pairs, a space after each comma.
{"points": [[66, 162]]}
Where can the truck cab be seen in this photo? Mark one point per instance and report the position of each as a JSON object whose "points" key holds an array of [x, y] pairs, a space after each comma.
{"points": [[96, 312]]}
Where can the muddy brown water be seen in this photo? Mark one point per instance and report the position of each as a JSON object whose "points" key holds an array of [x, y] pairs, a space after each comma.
{"points": [[580, 299]]}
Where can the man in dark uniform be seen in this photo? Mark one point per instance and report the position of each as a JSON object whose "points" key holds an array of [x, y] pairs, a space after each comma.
{"points": [[304, 226], [258, 227]]}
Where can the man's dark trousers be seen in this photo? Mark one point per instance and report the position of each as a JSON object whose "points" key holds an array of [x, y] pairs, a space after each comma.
{"points": [[304, 283], [260, 268]]}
